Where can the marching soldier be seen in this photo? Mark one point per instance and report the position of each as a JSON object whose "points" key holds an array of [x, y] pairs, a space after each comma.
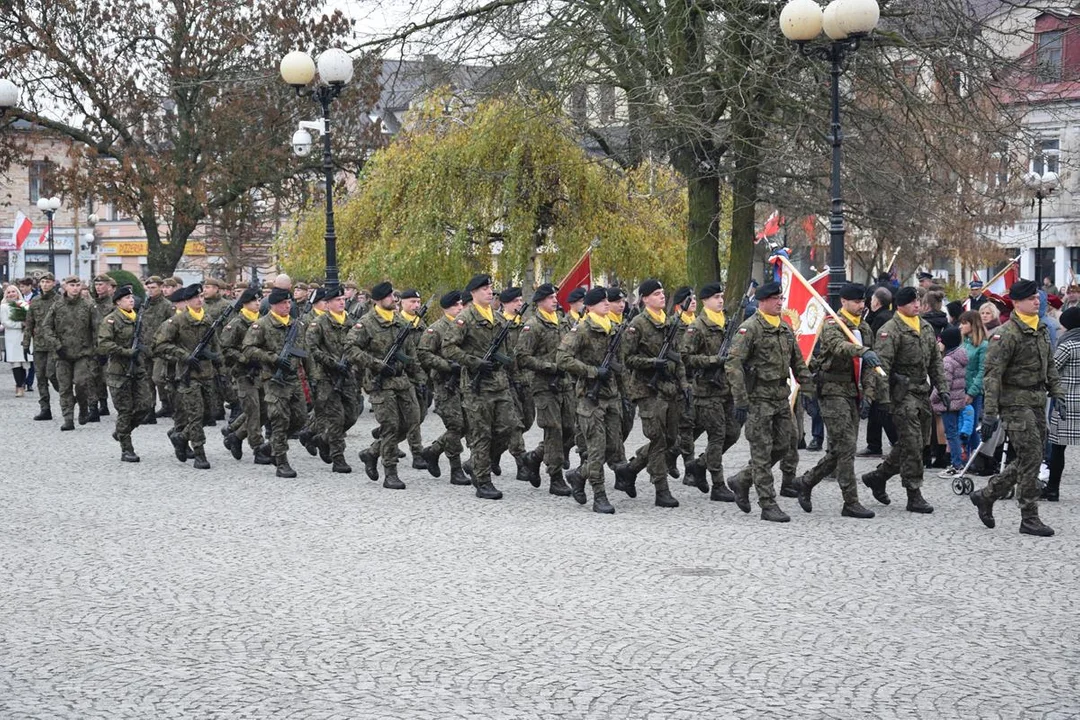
{"points": [[392, 397], [616, 297], [69, 327], [156, 312], [489, 412], [246, 378], [909, 353], [581, 354], [337, 392], [163, 370], [528, 463], [763, 354], [576, 301], [537, 351], [1020, 372], [103, 305], [213, 300], [273, 341], [446, 377], [177, 340], [410, 305], [125, 373], [837, 373], [695, 476], [43, 352], [656, 386]]}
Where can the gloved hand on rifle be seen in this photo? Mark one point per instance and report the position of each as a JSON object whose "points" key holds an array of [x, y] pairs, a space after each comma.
{"points": [[664, 365], [284, 365], [208, 354], [742, 414], [342, 367], [387, 370], [455, 368], [602, 372], [192, 362], [871, 359], [504, 360], [864, 409], [485, 367]]}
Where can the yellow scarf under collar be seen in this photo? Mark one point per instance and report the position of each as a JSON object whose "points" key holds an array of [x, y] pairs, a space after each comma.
{"points": [[615, 317], [853, 319], [602, 321], [449, 317], [773, 320], [485, 312], [1032, 321], [687, 317], [249, 315], [338, 317], [912, 322], [384, 314], [129, 314], [318, 312], [548, 316], [197, 315], [657, 315], [716, 318], [512, 318], [411, 319], [283, 319]]}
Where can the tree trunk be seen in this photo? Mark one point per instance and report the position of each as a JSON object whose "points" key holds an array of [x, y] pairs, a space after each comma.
{"points": [[743, 197], [702, 229]]}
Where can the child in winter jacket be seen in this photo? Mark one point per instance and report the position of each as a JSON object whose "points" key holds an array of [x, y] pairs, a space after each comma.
{"points": [[955, 363]]}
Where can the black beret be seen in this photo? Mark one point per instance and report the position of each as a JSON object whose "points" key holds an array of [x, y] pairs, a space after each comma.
{"points": [[331, 293], [853, 291], [180, 295], [1070, 319], [648, 287], [576, 295], [410, 293], [595, 296], [1023, 289], [450, 299], [249, 294], [906, 295], [682, 295], [477, 282], [615, 294], [923, 275], [194, 289], [278, 295], [121, 292], [510, 294], [381, 291], [710, 289], [318, 296], [768, 290], [465, 296], [544, 291]]}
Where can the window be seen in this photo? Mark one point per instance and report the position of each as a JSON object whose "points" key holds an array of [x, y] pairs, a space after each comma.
{"points": [[1048, 46], [40, 172], [115, 265], [1074, 261], [1045, 155]]}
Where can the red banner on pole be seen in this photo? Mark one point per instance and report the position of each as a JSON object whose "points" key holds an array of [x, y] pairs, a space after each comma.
{"points": [[579, 276]]}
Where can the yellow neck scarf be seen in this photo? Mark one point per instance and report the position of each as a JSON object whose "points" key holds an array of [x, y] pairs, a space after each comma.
{"points": [[179, 310], [602, 321], [251, 315], [576, 315], [515, 319], [129, 314], [912, 322], [853, 319], [485, 312], [716, 318], [1032, 321], [773, 320], [318, 312], [687, 317], [449, 317], [386, 315], [283, 319], [338, 317], [197, 315], [615, 317], [658, 315], [411, 319], [549, 316]]}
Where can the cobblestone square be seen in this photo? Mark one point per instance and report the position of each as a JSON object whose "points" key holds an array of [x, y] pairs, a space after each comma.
{"points": [[153, 590]]}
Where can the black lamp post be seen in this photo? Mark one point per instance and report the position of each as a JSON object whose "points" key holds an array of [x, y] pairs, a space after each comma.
{"points": [[1043, 186], [49, 206], [335, 71], [846, 23]]}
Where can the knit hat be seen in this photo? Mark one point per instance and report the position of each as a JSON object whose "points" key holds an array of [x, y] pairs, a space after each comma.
{"points": [[1070, 319], [950, 337]]}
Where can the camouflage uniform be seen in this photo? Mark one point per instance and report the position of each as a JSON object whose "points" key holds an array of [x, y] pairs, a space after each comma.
{"points": [[286, 410], [176, 340], [130, 392], [220, 391], [447, 390], [520, 392], [43, 351], [69, 327], [246, 381], [337, 395], [537, 349], [103, 306], [421, 386], [156, 313]]}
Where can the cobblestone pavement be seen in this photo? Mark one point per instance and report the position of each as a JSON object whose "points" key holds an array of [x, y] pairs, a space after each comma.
{"points": [[158, 591]]}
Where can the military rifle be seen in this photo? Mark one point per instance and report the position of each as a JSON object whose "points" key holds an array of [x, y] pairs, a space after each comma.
{"points": [[669, 341], [288, 350], [393, 353], [136, 342], [204, 341], [725, 347], [593, 393], [493, 349]]}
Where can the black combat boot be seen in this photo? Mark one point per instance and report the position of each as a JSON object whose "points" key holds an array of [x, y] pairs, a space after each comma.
{"points": [[179, 444], [566, 457], [263, 455], [127, 452], [876, 482], [664, 498], [324, 449], [45, 414], [201, 463], [419, 462], [165, 411], [695, 474], [524, 470], [1033, 525], [284, 469], [103, 408], [431, 458], [577, 485], [92, 415], [457, 472], [340, 466], [720, 491], [626, 475], [487, 491], [149, 419], [83, 416], [371, 464], [600, 503], [854, 509], [672, 457], [740, 486], [69, 424], [392, 481], [985, 506], [234, 445], [557, 485], [916, 503], [803, 488], [306, 437], [787, 487], [532, 460], [773, 513]]}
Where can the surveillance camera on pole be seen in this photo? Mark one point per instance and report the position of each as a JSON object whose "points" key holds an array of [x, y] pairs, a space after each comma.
{"points": [[302, 143]]}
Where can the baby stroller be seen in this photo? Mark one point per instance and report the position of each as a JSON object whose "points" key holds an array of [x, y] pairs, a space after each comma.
{"points": [[962, 484]]}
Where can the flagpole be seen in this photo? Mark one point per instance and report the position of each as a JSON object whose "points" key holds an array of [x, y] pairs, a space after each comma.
{"points": [[1008, 266], [588, 251]]}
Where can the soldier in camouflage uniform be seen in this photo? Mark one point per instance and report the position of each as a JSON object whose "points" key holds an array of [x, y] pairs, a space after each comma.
{"points": [[656, 385], [410, 306], [177, 341], [264, 344], [695, 476], [616, 298], [837, 375], [164, 371], [581, 354], [215, 304], [125, 373], [157, 311], [43, 352], [247, 383], [69, 327], [1020, 372], [337, 391], [489, 412], [576, 301], [538, 345], [528, 463], [103, 305], [446, 377], [393, 399], [765, 349], [909, 354]]}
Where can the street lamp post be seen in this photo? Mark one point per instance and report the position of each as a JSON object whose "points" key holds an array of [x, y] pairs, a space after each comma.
{"points": [[49, 206], [335, 71], [846, 23], [1043, 186]]}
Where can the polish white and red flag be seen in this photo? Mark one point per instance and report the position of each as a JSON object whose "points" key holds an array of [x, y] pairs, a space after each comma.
{"points": [[19, 232], [999, 284], [804, 305]]}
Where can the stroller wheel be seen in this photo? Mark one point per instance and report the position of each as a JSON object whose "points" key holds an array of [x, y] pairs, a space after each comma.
{"points": [[958, 485], [969, 486]]}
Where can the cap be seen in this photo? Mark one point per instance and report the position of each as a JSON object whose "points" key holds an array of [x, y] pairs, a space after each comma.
{"points": [[1054, 301], [768, 290], [301, 286], [595, 296], [121, 292], [47, 276], [381, 291], [510, 294], [171, 282], [710, 289], [279, 295], [950, 337], [853, 291], [544, 291], [450, 299], [615, 294], [213, 282], [648, 287], [923, 275], [466, 297], [1021, 289], [410, 293], [350, 285], [477, 282], [576, 295], [249, 295], [152, 280], [955, 308], [103, 278], [906, 296], [1070, 319], [182, 294], [975, 284], [682, 294]]}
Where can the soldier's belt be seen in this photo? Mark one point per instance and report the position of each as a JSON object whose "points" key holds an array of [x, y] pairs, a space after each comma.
{"points": [[837, 377], [771, 383], [1037, 387]]}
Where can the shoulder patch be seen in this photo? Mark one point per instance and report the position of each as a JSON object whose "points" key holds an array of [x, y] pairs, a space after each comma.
{"points": [[689, 330], [631, 329], [109, 320], [525, 328], [996, 336], [431, 330], [883, 335], [830, 320], [573, 329], [460, 322], [357, 325], [255, 325], [742, 331]]}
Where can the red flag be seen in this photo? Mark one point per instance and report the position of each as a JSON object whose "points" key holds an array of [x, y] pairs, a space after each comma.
{"points": [[20, 232], [1004, 280], [802, 311], [579, 276], [44, 238], [772, 226]]}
